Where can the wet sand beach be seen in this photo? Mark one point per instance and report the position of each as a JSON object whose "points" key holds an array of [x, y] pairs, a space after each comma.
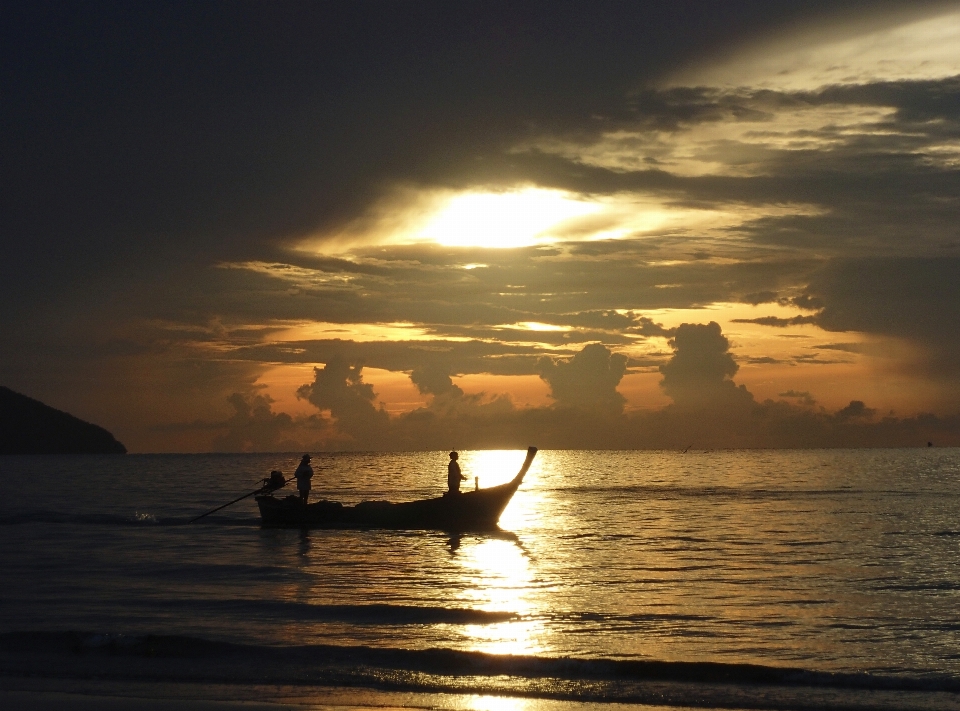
{"points": [[71, 696]]}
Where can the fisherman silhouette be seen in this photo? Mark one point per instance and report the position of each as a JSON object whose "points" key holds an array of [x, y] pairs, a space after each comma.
{"points": [[454, 475], [304, 474]]}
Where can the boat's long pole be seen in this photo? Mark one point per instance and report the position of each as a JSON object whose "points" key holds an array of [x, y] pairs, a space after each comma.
{"points": [[261, 490]]}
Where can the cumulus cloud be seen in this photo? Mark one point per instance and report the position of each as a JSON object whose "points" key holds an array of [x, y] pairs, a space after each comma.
{"points": [[434, 380], [588, 380], [700, 373], [856, 409], [255, 427], [339, 388], [709, 410]]}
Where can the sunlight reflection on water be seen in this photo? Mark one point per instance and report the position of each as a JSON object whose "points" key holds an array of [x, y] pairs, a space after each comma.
{"points": [[496, 573], [498, 576]]}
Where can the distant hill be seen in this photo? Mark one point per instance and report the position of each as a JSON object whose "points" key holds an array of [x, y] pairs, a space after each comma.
{"points": [[27, 426]]}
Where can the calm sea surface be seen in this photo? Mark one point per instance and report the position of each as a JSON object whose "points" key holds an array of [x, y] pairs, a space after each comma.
{"points": [[726, 567]]}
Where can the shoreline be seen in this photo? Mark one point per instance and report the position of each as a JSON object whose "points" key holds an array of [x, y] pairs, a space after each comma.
{"points": [[37, 693], [96, 695]]}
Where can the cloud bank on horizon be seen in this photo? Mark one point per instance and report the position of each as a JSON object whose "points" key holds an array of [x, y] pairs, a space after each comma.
{"points": [[715, 224]]}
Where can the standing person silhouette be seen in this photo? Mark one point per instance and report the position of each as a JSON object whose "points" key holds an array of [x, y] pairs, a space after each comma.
{"points": [[304, 474], [454, 475]]}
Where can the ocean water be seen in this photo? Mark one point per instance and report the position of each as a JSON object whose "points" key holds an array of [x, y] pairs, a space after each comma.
{"points": [[748, 579]]}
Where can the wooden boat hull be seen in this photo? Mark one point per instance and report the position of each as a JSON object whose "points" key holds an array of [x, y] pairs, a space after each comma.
{"points": [[467, 511]]}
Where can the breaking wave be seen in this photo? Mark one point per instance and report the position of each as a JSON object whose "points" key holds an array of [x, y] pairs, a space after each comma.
{"points": [[82, 655], [104, 519]]}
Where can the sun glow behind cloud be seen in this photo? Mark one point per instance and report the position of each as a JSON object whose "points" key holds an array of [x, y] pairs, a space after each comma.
{"points": [[528, 217], [521, 218]]}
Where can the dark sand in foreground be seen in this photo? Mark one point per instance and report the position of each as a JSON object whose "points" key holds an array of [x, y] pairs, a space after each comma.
{"points": [[56, 695]]}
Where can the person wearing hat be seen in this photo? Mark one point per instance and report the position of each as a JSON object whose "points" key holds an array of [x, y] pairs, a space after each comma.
{"points": [[454, 475], [304, 474]]}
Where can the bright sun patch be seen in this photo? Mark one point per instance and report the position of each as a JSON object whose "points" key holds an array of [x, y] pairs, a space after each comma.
{"points": [[520, 218]]}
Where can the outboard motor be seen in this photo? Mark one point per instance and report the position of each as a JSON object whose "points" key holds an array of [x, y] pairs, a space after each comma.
{"points": [[275, 481]]}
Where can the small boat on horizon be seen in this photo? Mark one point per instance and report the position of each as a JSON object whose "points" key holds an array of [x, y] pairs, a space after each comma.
{"points": [[466, 511]]}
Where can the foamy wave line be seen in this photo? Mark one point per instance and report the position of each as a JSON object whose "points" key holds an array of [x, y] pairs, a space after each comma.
{"points": [[371, 614], [97, 519], [86, 654], [672, 491]]}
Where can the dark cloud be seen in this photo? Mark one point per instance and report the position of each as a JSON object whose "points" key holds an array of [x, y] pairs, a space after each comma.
{"points": [[932, 104], [434, 380], [699, 375], [845, 347], [602, 289], [255, 427], [778, 321], [815, 359], [760, 297], [339, 388], [856, 409], [650, 328], [805, 302], [433, 360], [913, 299], [804, 397], [874, 180], [588, 380]]}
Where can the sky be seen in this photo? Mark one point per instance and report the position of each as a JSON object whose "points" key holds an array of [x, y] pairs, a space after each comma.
{"points": [[285, 226]]}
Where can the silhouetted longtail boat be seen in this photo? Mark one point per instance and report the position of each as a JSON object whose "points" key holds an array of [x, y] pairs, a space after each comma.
{"points": [[466, 511]]}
